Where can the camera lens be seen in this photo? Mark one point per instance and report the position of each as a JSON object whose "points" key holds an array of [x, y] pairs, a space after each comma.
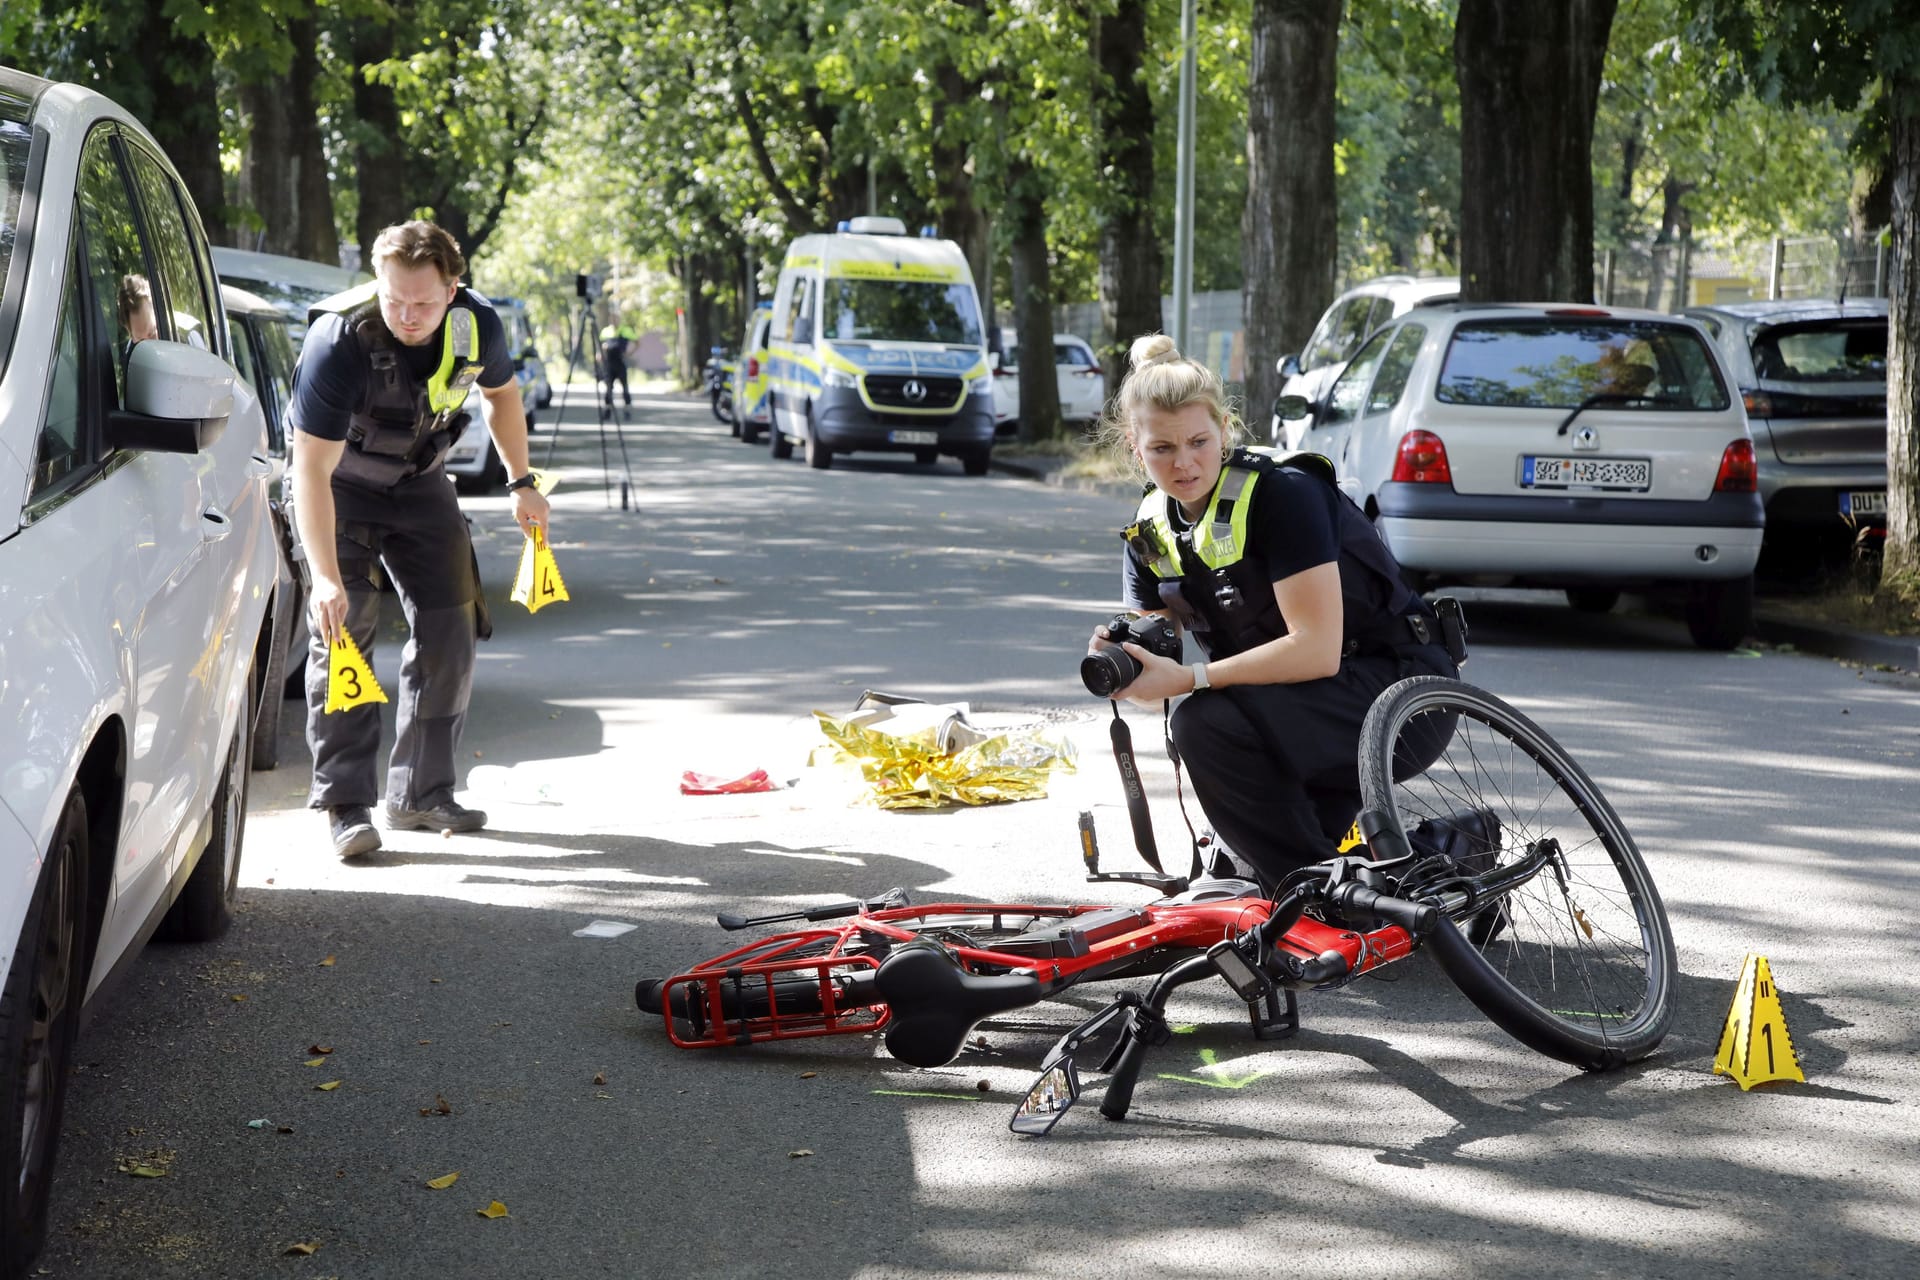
{"points": [[1108, 670]]}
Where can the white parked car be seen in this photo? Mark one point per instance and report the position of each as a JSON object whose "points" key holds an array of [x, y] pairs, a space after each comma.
{"points": [[1083, 387], [473, 462], [1583, 448], [1353, 318], [526, 356], [292, 284], [137, 592]]}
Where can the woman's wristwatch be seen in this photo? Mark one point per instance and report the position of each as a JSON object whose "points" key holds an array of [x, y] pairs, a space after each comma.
{"points": [[1200, 681]]}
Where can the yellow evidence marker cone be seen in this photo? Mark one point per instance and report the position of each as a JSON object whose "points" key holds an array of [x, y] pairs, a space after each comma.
{"points": [[538, 583], [1755, 1046], [350, 681]]}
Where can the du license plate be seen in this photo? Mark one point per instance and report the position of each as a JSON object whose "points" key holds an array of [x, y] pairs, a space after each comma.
{"points": [[1871, 502], [1625, 475], [914, 437]]}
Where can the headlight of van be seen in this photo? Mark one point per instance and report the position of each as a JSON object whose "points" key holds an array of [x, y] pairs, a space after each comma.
{"points": [[981, 386], [836, 378]]}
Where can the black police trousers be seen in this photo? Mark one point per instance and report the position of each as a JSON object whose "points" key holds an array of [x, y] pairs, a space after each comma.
{"points": [[1276, 766], [612, 369], [417, 535]]}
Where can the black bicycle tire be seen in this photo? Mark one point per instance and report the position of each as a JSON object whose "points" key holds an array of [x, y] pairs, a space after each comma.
{"points": [[1510, 1008]]}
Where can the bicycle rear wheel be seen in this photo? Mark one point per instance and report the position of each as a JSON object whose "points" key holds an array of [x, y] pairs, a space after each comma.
{"points": [[1576, 962]]}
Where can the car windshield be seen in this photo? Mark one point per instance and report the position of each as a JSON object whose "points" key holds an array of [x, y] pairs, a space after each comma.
{"points": [[16, 140], [901, 311], [1823, 351], [1560, 363]]}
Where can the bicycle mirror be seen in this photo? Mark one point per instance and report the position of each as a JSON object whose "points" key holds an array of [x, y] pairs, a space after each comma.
{"points": [[1057, 1089]]}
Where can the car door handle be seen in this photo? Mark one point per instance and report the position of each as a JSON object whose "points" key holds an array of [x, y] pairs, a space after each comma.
{"points": [[214, 524], [259, 468]]}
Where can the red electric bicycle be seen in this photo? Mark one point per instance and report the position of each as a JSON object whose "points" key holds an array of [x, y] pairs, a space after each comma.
{"points": [[1501, 857]]}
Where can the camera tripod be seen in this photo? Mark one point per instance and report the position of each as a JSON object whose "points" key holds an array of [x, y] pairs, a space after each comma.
{"points": [[603, 410]]}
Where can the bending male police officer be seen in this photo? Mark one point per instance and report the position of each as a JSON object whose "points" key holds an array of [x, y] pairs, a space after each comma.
{"points": [[376, 405]]}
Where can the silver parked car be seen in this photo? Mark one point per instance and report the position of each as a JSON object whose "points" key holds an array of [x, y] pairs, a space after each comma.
{"points": [[1355, 316], [1813, 375], [138, 581]]}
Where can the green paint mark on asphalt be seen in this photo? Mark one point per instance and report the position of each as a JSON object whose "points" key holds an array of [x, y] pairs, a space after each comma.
{"points": [[1207, 1060], [923, 1093]]}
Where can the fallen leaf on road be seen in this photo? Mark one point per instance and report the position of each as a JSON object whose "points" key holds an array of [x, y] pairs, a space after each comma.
{"points": [[328, 1087], [440, 1107], [148, 1164], [327, 963], [302, 1248], [316, 1062], [285, 1128], [600, 1078], [801, 1152], [238, 998], [808, 1075], [443, 1182], [319, 1048], [494, 1210]]}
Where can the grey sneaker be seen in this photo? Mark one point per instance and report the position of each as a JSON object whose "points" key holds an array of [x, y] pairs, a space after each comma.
{"points": [[353, 830], [445, 816]]}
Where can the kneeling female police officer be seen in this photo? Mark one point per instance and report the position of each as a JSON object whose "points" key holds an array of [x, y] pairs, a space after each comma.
{"points": [[1295, 603]]}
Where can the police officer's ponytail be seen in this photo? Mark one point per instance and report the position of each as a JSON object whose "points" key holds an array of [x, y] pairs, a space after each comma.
{"points": [[1159, 377]]}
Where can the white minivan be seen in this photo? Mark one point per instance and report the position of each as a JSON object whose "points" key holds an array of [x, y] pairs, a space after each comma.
{"points": [[877, 346]]}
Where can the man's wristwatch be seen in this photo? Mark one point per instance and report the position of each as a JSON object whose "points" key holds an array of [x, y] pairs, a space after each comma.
{"points": [[1200, 680], [526, 481]]}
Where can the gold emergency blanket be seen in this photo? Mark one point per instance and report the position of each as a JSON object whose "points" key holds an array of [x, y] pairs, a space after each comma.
{"points": [[916, 755]]}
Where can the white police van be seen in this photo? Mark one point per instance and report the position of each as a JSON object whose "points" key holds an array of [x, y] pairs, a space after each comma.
{"points": [[877, 346]]}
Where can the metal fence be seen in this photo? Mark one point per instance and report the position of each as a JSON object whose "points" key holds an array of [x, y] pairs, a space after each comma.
{"points": [[1661, 277]]}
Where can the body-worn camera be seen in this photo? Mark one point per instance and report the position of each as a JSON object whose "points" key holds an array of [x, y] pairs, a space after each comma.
{"points": [[1109, 670]]}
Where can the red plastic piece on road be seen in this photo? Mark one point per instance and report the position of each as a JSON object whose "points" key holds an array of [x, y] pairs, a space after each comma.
{"points": [[707, 784]]}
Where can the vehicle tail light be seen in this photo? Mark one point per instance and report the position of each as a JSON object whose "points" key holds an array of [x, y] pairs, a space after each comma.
{"points": [[753, 366], [1423, 460], [1738, 472]]}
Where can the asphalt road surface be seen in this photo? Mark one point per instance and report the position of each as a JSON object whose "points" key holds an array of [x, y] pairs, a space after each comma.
{"points": [[442, 983]]}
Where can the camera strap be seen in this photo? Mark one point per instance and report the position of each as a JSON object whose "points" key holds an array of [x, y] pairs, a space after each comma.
{"points": [[1136, 790]]}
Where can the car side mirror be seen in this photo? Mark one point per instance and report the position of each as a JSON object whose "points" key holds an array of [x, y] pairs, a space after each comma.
{"points": [[1289, 366], [179, 398], [1287, 408]]}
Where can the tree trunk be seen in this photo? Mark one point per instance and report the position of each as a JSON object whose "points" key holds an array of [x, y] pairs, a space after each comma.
{"points": [[1289, 233], [381, 163], [283, 175], [1529, 76], [1129, 248], [696, 320], [1900, 571], [187, 123], [1033, 305], [961, 219]]}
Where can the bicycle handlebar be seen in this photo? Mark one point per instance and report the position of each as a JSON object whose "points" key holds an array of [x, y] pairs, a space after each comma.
{"points": [[1417, 918]]}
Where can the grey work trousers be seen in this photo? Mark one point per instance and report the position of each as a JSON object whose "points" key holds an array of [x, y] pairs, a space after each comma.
{"points": [[1276, 767], [415, 532]]}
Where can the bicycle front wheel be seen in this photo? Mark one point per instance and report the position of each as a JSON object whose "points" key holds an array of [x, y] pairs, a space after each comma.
{"points": [[1577, 962]]}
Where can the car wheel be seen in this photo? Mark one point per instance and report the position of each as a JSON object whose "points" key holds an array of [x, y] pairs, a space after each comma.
{"points": [[749, 433], [1720, 614], [39, 1018], [204, 908], [1592, 599], [777, 442], [926, 457], [819, 457], [974, 461]]}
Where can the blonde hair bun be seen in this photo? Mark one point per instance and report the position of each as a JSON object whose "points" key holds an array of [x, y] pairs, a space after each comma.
{"points": [[1152, 349]]}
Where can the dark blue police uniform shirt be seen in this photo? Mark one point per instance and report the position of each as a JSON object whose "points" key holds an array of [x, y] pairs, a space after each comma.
{"points": [[330, 381]]}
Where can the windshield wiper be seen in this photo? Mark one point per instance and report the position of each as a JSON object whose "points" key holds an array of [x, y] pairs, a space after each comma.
{"points": [[1608, 397]]}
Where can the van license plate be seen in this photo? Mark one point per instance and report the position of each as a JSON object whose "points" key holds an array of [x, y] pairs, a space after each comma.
{"points": [[1868, 502], [914, 437], [1622, 475]]}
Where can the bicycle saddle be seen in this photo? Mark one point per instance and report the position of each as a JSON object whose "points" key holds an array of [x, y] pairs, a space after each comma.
{"points": [[935, 1002]]}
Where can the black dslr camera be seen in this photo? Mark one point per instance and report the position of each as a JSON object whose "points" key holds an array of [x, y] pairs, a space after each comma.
{"points": [[1108, 670]]}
